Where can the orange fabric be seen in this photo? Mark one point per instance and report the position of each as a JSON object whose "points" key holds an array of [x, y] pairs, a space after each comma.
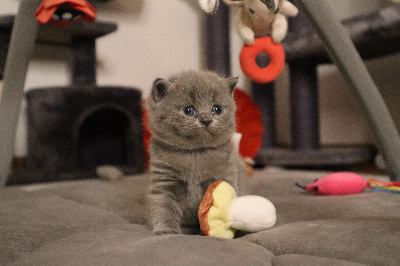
{"points": [[250, 67], [205, 206]]}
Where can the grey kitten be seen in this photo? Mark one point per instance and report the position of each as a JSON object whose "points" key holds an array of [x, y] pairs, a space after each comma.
{"points": [[192, 119]]}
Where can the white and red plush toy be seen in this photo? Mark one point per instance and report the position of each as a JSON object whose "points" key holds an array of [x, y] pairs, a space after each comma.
{"points": [[221, 212]]}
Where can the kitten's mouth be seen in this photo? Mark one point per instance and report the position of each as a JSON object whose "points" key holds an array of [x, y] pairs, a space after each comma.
{"points": [[208, 129]]}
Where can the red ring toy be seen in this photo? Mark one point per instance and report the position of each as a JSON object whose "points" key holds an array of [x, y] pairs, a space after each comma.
{"points": [[248, 63]]}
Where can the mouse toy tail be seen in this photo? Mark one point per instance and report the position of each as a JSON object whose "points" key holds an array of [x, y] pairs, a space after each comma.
{"points": [[300, 186]]}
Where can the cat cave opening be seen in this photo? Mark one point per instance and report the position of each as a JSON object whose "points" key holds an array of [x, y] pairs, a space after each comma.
{"points": [[103, 139], [72, 130]]}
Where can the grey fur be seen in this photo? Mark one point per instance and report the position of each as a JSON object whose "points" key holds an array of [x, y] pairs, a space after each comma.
{"points": [[189, 152]]}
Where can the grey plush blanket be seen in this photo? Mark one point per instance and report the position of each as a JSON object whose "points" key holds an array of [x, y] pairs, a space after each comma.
{"points": [[95, 222]]}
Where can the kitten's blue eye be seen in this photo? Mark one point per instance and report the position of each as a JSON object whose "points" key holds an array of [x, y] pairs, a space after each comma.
{"points": [[189, 110], [217, 110]]}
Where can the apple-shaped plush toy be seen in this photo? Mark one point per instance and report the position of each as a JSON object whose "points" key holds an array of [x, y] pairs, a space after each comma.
{"points": [[221, 212]]}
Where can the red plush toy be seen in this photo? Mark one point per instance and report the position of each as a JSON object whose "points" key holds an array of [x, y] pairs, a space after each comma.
{"points": [[341, 183], [146, 133], [64, 12], [248, 123]]}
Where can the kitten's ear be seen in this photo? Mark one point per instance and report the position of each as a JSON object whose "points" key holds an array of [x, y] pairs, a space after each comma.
{"points": [[232, 83], [159, 90]]}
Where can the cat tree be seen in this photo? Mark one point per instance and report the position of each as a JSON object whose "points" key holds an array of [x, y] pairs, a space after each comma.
{"points": [[374, 34], [74, 129], [329, 28], [342, 52]]}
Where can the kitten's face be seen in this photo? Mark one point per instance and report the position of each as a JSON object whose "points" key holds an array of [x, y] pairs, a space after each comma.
{"points": [[193, 110]]}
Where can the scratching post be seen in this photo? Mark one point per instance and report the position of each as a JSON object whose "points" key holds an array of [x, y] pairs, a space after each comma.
{"points": [[217, 41], [264, 96], [304, 105], [21, 47], [83, 61]]}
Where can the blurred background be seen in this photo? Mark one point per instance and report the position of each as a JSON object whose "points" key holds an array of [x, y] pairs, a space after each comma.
{"points": [[156, 38]]}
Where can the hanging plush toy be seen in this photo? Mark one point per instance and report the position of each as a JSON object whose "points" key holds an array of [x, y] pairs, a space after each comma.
{"points": [[263, 17], [221, 212], [262, 25]]}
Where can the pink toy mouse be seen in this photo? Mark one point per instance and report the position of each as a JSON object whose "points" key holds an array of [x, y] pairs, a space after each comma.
{"points": [[341, 183]]}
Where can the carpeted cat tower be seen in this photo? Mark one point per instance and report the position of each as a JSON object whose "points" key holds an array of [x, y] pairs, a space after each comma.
{"points": [[74, 129]]}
